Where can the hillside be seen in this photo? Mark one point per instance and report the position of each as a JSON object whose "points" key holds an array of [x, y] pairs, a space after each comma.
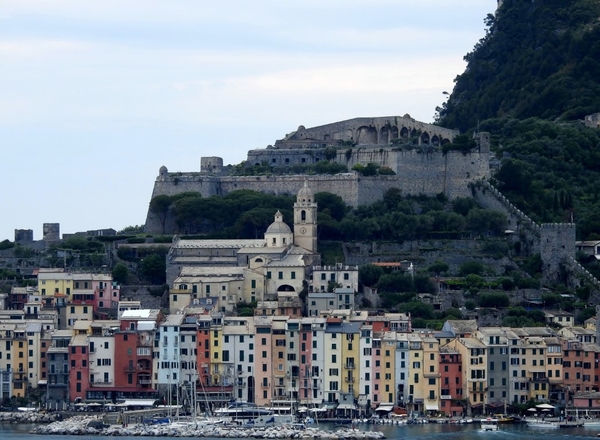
{"points": [[530, 81], [538, 59]]}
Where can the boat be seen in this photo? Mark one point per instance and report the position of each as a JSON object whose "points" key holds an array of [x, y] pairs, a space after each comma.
{"points": [[541, 424], [503, 418], [489, 424], [246, 414]]}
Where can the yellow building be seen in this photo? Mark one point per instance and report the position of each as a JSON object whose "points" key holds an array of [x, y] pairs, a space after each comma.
{"points": [[554, 357], [350, 358], [214, 288], [416, 383], [51, 281], [19, 356], [388, 368], [474, 360], [533, 365], [217, 372], [431, 373], [76, 312]]}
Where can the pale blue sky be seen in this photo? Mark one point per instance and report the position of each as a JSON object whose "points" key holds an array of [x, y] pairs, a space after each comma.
{"points": [[96, 95]]}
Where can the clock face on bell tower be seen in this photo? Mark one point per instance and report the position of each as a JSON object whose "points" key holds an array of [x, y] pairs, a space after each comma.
{"points": [[303, 230]]}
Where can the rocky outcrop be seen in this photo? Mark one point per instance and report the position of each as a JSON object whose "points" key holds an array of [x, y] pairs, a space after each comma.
{"points": [[29, 417], [86, 425]]}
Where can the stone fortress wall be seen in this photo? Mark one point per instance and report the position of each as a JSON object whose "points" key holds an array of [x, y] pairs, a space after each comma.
{"points": [[420, 170]]}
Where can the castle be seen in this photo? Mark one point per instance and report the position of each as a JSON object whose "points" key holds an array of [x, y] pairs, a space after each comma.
{"points": [[411, 149]]}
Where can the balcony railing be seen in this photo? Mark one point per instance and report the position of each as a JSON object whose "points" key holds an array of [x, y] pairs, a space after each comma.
{"points": [[445, 396], [349, 380], [144, 382], [539, 379], [350, 366]]}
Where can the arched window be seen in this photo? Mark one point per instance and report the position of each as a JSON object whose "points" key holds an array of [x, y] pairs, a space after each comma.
{"points": [[303, 215]]}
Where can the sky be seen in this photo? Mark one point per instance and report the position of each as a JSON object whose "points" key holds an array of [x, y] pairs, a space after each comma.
{"points": [[97, 95]]}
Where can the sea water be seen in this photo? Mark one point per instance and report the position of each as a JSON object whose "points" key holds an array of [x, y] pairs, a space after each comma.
{"points": [[430, 431]]}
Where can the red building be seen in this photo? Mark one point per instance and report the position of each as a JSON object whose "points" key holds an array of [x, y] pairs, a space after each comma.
{"points": [[451, 387], [78, 368], [134, 343], [579, 367]]}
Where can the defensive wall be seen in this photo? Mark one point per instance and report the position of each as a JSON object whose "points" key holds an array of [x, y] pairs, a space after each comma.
{"points": [[417, 173]]}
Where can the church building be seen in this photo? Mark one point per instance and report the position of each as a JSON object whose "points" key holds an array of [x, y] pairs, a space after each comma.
{"points": [[217, 275]]}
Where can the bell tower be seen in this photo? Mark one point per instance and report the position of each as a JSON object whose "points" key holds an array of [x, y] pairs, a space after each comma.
{"points": [[305, 219]]}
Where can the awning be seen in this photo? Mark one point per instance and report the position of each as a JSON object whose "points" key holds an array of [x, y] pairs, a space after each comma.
{"points": [[385, 407], [544, 406], [346, 406], [432, 407], [42, 382], [329, 405], [137, 402]]}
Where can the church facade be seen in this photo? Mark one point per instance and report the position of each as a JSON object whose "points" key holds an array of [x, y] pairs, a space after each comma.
{"points": [[218, 275]]}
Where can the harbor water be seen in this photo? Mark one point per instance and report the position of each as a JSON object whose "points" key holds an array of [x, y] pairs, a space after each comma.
{"points": [[412, 432]]}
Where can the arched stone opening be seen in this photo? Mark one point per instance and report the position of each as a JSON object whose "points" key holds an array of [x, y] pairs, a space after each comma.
{"points": [[384, 135], [425, 138], [366, 135], [285, 288], [435, 140], [393, 134], [404, 134]]}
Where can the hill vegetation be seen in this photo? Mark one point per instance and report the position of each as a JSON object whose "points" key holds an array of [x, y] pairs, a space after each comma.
{"points": [[529, 82], [247, 214]]}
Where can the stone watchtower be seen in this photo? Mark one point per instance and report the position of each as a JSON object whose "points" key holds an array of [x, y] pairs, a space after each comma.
{"points": [[211, 165], [51, 232], [557, 245], [305, 219]]}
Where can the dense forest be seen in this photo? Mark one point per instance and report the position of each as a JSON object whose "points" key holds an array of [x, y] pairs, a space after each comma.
{"points": [[529, 82]]}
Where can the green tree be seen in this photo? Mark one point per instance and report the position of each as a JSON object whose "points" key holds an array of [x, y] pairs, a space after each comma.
{"points": [[160, 206], [438, 268], [471, 267], [369, 274], [120, 273], [6, 244], [153, 268]]}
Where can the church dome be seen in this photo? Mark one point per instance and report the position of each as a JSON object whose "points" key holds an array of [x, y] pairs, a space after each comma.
{"points": [[278, 226], [305, 193]]}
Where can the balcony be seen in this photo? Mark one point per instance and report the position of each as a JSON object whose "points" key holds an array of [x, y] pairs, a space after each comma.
{"points": [[445, 397], [264, 386], [98, 382], [349, 380], [350, 366], [539, 380], [144, 382]]}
